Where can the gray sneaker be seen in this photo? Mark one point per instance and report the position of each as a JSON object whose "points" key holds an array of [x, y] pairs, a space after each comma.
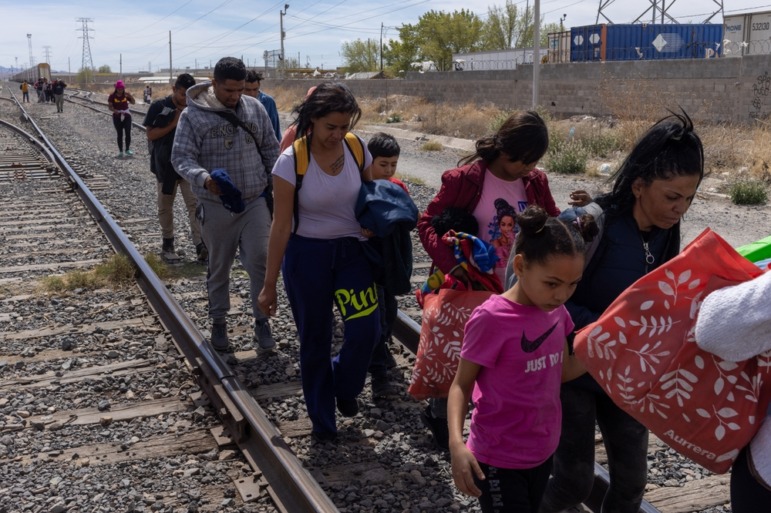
{"points": [[262, 336], [219, 336]]}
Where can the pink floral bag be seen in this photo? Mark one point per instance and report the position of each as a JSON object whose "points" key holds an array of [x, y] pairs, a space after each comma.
{"points": [[441, 335], [643, 353]]}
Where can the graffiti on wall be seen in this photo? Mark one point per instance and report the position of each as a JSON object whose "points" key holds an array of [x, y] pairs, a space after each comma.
{"points": [[760, 91]]}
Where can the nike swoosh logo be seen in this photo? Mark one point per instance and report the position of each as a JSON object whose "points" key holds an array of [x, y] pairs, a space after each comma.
{"points": [[529, 346]]}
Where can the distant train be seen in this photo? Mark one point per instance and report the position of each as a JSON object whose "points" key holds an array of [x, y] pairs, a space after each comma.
{"points": [[42, 70]]}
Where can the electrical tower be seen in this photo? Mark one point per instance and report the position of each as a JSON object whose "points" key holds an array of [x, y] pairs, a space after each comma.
{"points": [[31, 58], [88, 61], [47, 52], [658, 11]]}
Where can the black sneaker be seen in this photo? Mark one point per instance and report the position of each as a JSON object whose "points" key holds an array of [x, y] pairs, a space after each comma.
{"points": [[347, 407], [219, 336], [438, 428], [263, 336]]}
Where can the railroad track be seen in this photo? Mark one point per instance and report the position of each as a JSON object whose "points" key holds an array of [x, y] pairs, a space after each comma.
{"points": [[266, 484]]}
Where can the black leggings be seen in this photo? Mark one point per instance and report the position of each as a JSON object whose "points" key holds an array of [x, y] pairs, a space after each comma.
{"points": [[747, 494], [120, 127], [513, 490]]}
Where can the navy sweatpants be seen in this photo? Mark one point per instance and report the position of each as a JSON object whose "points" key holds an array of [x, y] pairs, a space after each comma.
{"points": [[317, 274]]}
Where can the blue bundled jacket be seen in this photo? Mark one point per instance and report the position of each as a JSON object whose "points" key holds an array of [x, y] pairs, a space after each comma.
{"points": [[390, 213]]}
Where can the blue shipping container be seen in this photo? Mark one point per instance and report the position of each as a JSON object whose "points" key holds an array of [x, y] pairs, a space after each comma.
{"points": [[645, 42]]}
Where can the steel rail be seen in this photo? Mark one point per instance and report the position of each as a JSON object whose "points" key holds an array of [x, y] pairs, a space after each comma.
{"points": [[291, 486]]}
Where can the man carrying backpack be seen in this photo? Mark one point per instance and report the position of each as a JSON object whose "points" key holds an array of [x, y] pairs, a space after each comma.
{"points": [[24, 92], [161, 122], [225, 147]]}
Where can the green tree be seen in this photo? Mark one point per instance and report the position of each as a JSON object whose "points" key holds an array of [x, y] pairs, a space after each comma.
{"points": [[435, 37], [361, 55], [104, 69], [510, 27], [502, 29]]}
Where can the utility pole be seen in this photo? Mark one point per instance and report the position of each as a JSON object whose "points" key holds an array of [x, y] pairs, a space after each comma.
{"points": [[171, 72], [283, 35], [31, 58], [381, 46], [536, 51]]}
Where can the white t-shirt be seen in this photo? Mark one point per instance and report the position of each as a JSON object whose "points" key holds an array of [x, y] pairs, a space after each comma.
{"points": [[326, 203], [498, 205]]}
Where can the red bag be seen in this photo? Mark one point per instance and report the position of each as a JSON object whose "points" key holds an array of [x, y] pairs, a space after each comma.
{"points": [[441, 334], [643, 353]]}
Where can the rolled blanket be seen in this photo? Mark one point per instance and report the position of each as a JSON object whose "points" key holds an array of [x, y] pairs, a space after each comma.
{"points": [[231, 195]]}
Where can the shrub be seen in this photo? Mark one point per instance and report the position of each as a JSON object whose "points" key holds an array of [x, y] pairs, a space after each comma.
{"points": [[566, 157], [432, 146], [748, 192]]}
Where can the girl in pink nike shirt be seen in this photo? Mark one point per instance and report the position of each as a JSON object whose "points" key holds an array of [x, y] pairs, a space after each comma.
{"points": [[513, 359]]}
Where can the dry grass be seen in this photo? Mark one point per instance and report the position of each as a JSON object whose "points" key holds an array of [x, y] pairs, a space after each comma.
{"points": [[733, 150]]}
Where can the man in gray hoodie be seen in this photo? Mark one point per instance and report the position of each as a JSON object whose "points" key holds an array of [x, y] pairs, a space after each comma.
{"points": [[223, 129]]}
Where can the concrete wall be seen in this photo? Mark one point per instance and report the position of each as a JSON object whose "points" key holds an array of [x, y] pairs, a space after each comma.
{"points": [[723, 90]]}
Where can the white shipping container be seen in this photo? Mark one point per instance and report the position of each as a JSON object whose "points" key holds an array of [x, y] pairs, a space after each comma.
{"points": [[759, 34], [734, 35], [747, 34]]}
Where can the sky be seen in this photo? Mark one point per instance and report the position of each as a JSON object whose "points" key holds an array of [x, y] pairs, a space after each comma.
{"points": [[134, 36]]}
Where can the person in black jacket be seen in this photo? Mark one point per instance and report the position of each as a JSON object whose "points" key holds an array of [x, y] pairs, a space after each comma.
{"points": [[385, 151], [58, 90], [161, 122], [640, 220]]}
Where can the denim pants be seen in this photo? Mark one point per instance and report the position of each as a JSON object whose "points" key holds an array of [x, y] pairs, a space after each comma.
{"points": [[319, 273], [626, 443], [518, 490]]}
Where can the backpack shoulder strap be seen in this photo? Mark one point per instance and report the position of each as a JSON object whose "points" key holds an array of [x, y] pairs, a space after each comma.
{"points": [[356, 147], [302, 158]]}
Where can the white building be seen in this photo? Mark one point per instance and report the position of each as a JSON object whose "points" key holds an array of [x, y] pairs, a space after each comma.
{"points": [[494, 60]]}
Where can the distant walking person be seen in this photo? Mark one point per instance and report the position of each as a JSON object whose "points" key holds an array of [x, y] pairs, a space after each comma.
{"points": [[118, 102], [58, 90], [161, 122], [148, 95], [225, 147], [24, 92], [252, 88]]}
